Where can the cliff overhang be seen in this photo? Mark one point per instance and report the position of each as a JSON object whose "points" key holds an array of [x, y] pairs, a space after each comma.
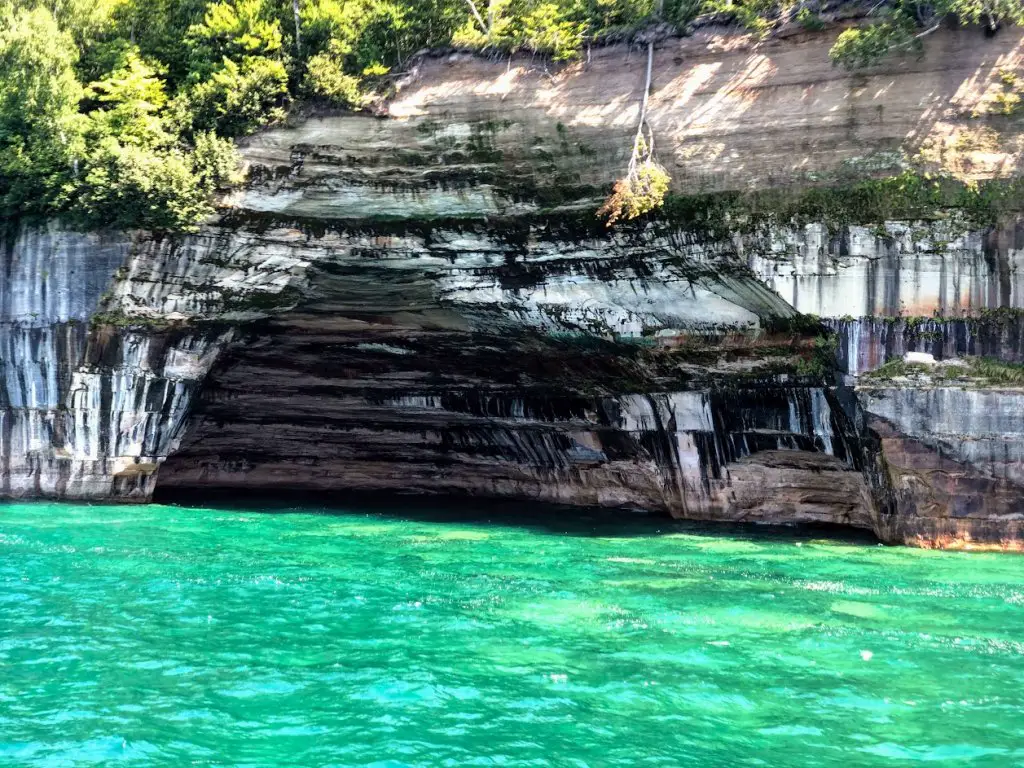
{"points": [[426, 303]]}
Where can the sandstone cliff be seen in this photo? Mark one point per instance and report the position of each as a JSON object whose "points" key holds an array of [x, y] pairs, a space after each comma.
{"points": [[424, 302]]}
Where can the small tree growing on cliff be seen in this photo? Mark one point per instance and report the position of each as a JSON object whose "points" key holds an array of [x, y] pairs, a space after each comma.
{"points": [[643, 187], [646, 182]]}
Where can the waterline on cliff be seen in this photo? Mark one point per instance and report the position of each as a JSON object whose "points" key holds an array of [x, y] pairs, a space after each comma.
{"points": [[500, 512]]}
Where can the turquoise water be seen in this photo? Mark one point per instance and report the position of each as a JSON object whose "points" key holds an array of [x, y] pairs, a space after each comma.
{"points": [[169, 636]]}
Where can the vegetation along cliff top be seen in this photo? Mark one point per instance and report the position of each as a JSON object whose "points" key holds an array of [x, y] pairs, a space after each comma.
{"points": [[122, 113]]}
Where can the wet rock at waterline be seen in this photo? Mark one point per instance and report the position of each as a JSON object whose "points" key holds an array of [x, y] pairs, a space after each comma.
{"points": [[426, 304]]}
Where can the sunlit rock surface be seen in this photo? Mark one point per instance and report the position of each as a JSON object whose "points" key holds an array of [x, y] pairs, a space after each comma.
{"points": [[728, 112], [954, 461], [425, 303], [914, 269]]}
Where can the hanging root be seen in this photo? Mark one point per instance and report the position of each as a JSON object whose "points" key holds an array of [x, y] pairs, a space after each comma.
{"points": [[646, 182]]}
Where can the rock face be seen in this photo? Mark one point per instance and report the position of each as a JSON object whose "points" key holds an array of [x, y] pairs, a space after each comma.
{"points": [[728, 112], [426, 304], [443, 367], [461, 358], [85, 413], [955, 461], [907, 269]]}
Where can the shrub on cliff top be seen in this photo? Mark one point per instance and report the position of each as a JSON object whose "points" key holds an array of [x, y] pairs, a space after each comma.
{"points": [[326, 79], [902, 25], [165, 188]]}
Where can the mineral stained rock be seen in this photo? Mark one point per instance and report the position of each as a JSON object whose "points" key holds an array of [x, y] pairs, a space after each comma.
{"points": [[425, 303]]}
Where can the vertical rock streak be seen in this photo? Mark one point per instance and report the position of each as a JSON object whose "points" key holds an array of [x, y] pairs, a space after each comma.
{"points": [[449, 361], [85, 411]]}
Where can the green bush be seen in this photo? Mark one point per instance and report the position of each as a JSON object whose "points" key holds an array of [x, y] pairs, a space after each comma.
{"points": [[237, 31], [757, 15], [997, 372], [236, 98], [158, 187], [128, 186], [902, 25], [40, 127], [104, 154], [215, 162], [327, 80], [548, 29], [863, 46], [128, 103]]}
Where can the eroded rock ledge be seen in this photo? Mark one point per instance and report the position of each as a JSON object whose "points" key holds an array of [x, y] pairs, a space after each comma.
{"points": [[426, 304]]}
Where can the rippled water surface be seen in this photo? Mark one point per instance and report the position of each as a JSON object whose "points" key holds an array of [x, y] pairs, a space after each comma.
{"points": [[167, 636]]}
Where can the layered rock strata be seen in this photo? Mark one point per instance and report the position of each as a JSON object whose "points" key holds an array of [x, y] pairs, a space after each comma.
{"points": [[426, 304]]}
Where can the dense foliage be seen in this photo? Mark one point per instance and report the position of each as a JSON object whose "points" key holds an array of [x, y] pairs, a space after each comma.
{"points": [[122, 112], [902, 25], [90, 127]]}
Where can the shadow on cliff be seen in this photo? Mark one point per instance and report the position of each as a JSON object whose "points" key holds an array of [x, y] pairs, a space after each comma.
{"points": [[535, 516]]}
